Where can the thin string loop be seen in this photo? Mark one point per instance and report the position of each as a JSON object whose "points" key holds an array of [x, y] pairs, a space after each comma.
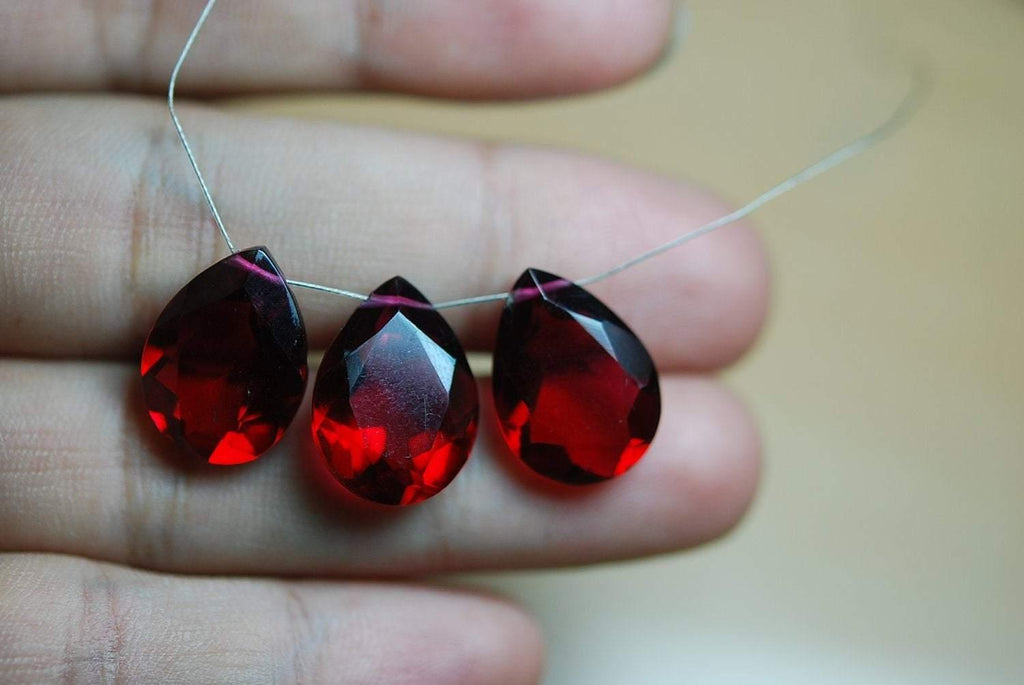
{"points": [[899, 117]]}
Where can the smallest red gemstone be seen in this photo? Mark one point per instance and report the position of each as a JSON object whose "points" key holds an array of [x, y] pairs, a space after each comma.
{"points": [[224, 368]]}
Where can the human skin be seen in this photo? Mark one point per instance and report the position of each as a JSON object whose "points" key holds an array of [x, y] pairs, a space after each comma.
{"points": [[120, 564]]}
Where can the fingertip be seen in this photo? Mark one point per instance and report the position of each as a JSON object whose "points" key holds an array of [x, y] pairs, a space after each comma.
{"points": [[517, 644], [619, 40], [733, 268], [720, 287], [517, 48], [486, 639], [710, 475], [733, 471]]}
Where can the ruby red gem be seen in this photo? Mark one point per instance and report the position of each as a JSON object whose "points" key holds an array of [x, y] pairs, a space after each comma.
{"points": [[395, 405], [224, 368], [575, 390]]}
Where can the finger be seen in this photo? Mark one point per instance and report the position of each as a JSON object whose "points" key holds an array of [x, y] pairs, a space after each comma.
{"points": [[494, 48], [70, 620], [88, 476], [102, 224]]}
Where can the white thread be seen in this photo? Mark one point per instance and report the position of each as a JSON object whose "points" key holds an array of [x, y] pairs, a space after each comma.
{"points": [[327, 289], [893, 123], [181, 132]]}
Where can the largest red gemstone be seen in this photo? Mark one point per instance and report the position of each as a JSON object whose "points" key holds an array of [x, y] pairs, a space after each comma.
{"points": [[224, 368], [575, 391], [395, 404]]}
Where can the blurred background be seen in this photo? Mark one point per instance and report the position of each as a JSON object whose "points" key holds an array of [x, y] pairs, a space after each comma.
{"points": [[887, 542]]}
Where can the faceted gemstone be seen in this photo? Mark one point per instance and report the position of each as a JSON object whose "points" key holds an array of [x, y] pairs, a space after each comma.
{"points": [[224, 368], [395, 405], [575, 390]]}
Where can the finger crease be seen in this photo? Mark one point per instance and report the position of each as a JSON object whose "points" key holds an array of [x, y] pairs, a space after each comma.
{"points": [[496, 226], [97, 653], [304, 638], [140, 216], [141, 547]]}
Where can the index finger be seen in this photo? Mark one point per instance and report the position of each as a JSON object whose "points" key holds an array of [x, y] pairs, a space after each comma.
{"points": [[480, 49]]}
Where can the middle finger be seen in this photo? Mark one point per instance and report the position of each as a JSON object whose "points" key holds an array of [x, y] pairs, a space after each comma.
{"points": [[82, 472]]}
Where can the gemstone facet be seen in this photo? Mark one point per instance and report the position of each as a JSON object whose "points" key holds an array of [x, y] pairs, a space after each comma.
{"points": [[395, 406], [575, 390], [224, 368]]}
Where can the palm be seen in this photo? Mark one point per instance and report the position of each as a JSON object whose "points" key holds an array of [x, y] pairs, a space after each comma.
{"points": [[101, 223]]}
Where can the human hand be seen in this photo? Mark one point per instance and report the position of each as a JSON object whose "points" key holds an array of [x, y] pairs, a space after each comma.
{"points": [[110, 543]]}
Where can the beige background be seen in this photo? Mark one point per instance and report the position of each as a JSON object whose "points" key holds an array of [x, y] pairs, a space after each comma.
{"points": [[887, 543]]}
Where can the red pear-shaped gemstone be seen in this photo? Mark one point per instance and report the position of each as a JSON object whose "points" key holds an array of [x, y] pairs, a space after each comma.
{"points": [[224, 368], [395, 405], [575, 390]]}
